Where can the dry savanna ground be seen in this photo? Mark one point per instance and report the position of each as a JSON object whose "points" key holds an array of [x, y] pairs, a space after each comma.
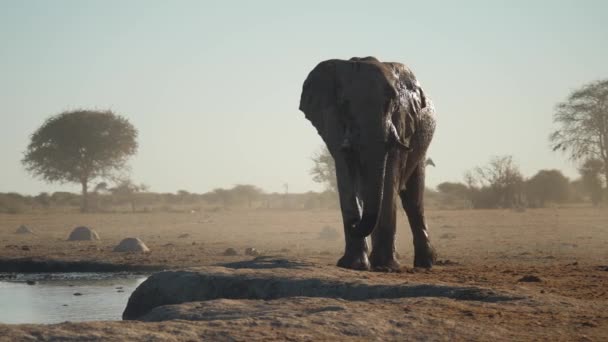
{"points": [[563, 251]]}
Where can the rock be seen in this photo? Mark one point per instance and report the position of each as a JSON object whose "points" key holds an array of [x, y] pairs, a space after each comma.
{"points": [[329, 233], [83, 234], [24, 230], [530, 279], [270, 278], [251, 251], [230, 252], [31, 282], [132, 245], [183, 236], [77, 294], [25, 248]]}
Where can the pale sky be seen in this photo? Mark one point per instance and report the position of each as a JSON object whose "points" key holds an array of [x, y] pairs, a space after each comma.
{"points": [[214, 87]]}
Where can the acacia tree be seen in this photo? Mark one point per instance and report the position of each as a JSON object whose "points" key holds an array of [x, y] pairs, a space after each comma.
{"points": [[499, 183], [80, 146], [583, 124], [324, 169]]}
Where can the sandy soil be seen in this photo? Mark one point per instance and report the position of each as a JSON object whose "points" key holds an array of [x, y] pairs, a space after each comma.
{"points": [[564, 249]]}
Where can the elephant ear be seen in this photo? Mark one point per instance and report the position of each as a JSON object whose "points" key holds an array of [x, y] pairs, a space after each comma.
{"points": [[319, 96]]}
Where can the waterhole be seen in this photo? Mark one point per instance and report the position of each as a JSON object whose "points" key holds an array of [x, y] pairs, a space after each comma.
{"points": [[60, 297]]}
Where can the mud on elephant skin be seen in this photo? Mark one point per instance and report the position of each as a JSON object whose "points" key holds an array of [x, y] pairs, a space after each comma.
{"points": [[377, 123]]}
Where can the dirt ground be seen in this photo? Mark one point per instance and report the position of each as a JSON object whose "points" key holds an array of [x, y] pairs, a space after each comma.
{"points": [[562, 252]]}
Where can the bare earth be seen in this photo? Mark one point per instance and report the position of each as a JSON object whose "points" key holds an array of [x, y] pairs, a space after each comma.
{"points": [[566, 249]]}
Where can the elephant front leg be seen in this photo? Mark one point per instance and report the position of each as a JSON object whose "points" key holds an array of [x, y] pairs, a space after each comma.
{"points": [[355, 249], [383, 257], [413, 203]]}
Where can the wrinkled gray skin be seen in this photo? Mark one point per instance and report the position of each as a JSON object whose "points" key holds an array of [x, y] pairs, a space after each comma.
{"points": [[377, 124]]}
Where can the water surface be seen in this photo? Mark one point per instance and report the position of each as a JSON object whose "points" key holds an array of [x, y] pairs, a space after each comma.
{"points": [[103, 296]]}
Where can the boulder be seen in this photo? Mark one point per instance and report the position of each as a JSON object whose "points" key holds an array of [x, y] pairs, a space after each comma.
{"points": [[24, 230], [131, 245], [269, 278], [251, 251], [83, 233]]}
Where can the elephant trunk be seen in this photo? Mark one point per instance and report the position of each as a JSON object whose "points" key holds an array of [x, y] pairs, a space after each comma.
{"points": [[373, 179]]}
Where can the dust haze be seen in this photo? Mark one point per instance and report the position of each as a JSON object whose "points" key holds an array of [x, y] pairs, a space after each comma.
{"points": [[230, 216]]}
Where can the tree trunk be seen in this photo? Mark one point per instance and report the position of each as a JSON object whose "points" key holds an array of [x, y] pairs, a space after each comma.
{"points": [[85, 197]]}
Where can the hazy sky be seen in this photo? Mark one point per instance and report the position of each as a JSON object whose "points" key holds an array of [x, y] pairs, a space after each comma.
{"points": [[214, 87]]}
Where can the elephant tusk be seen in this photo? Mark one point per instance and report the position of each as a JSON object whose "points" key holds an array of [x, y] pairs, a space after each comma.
{"points": [[395, 138]]}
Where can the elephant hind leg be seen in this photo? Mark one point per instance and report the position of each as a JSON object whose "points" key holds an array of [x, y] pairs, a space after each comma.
{"points": [[412, 199]]}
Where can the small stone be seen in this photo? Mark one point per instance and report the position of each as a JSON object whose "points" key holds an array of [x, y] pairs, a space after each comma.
{"points": [[251, 251], [31, 282], [77, 294], [24, 230], [230, 252]]}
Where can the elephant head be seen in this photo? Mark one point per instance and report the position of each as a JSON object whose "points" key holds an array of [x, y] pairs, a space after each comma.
{"points": [[361, 109]]}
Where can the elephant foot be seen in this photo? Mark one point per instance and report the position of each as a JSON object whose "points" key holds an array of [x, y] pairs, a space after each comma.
{"points": [[424, 255], [384, 263], [358, 262]]}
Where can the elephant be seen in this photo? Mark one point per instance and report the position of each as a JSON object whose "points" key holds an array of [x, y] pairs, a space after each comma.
{"points": [[377, 123]]}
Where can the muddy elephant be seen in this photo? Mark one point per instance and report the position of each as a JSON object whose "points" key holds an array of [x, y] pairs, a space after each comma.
{"points": [[377, 123]]}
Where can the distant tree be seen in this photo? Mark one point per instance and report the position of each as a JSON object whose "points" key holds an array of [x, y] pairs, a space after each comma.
{"points": [[63, 198], [222, 196], [455, 189], [583, 124], [324, 169], [80, 146], [452, 193], [249, 193], [43, 199], [127, 191], [547, 185], [101, 187], [591, 171], [499, 183], [184, 196], [577, 190]]}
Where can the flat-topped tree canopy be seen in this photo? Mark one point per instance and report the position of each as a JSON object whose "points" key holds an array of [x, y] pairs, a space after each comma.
{"points": [[79, 146]]}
